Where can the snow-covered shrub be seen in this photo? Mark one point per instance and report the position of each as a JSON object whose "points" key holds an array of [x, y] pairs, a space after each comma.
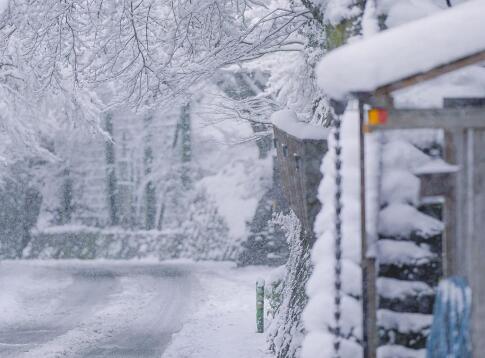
{"points": [[201, 238], [266, 244], [286, 332], [204, 232], [274, 290]]}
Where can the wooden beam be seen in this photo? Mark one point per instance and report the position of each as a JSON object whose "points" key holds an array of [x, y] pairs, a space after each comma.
{"points": [[370, 332], [431, 74], [443, 118]]}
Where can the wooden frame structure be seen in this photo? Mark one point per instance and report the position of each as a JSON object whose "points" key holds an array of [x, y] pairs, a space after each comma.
{"points": [[465, 202]]}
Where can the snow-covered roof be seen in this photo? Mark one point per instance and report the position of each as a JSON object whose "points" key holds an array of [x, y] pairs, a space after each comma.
{"points": [[287, 121], [404, 51]]}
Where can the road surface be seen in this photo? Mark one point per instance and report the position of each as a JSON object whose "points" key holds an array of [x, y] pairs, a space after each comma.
{"points": [[90, 310]]}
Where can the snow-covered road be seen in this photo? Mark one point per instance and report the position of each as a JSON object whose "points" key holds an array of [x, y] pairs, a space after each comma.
{"points": [[100, 309], [128, 309]]}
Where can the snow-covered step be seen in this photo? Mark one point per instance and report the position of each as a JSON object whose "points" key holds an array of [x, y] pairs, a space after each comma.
{"points": [[405, 296], [395, 351], [406, 329], [403, 221], [404, 322], [392, 288], [395, 252], [406, 260], [409, 250]]}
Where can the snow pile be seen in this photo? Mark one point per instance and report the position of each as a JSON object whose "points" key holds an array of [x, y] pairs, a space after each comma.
{"points": [[319, 314], [400, 190], [395, 54], [401, 187], [403, 220], [287, 121], [402, 253], [400, 154]]}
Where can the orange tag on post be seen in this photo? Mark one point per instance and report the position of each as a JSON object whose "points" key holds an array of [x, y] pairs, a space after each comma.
{"points": [[377, 117]]}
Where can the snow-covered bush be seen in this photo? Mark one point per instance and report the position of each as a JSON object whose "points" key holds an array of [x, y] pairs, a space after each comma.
{"points": [[266, 244], [274, 291], [204, 232], [202, 236]]}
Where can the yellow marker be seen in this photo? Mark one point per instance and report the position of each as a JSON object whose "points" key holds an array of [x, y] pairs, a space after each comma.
{"points": [[377, 117]]}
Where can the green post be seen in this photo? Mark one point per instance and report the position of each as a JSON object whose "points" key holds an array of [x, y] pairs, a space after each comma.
{"points": [[260, 306]]}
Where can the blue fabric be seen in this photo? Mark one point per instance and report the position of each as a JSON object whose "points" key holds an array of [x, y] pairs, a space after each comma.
{"points": [[450, 332]]}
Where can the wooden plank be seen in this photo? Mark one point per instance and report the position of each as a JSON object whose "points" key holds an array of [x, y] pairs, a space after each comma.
{"points": [[466, 218], [436, 184], [460, 102], [448, 118], [476, 265], [452, 215], [431, 74], [369, 269]]}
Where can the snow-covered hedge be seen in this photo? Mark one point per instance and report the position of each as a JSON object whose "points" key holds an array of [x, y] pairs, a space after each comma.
{"points": [[81, 242]]}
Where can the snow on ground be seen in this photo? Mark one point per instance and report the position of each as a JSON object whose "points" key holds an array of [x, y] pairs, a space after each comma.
{"points": [[90, 309], [223, 322], [131, 309], [17, 283]]}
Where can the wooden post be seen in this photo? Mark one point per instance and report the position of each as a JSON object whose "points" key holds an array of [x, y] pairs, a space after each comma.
{"points": [[260, 306], [466, 147], [369, 292]]}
